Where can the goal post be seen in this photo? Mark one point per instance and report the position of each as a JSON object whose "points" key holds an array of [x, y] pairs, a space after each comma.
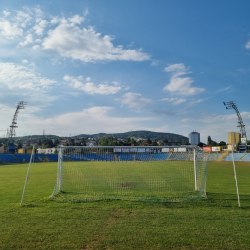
{"points": [[130, 173]]}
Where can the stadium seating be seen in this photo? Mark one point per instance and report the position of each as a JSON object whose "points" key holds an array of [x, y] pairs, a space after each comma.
{"points": [[53, 157], [179, 157], [23, 157], [38, 157], [125, 157], [246, 158], [159, 157], [91, 157], [215, 156], [76, 157], [142, 157], [107, 157], [8, 158], [237, 157]]}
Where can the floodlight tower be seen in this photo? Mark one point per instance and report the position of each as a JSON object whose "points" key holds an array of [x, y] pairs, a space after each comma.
{"points": [[243, 144], [20, 105], [12, 133]]}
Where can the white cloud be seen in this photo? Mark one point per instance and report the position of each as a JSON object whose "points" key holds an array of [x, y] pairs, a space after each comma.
{"points": [[55, 20], [24, 61], [91, 88], [224, 89], [21, 77], [93, 120], [195, 102], [76, 19], [40, 26], [135, 100], [176, 67], [248, 45], [10, 30], [29, 39], [175, 101], [69, 40], [6, 13], [22, 18], [154, 63], [181, 85], [35, 47], [67, 37]]}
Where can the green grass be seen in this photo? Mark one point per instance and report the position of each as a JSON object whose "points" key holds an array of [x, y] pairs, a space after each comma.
{"points": [[216, 223]]}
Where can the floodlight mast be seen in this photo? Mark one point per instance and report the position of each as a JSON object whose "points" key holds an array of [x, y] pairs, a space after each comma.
{"points": [[232, 105], [20, 105]]}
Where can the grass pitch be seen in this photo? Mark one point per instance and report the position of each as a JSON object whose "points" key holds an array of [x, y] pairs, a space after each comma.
{"points": [[216, 223]]}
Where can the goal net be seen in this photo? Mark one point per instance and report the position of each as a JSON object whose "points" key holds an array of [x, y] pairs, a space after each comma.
{"points": [[130, 173]]}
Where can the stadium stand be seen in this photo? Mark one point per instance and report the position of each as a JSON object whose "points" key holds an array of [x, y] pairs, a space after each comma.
{"points": [[53, 157], [23, 157], [215, 156], [179, 157], [107, 157], [40, 157], [125, 157], [159, 157], [76, 157], [246, 158], [237, 157], [8, 158], [19, 158], [91, 157], [142, 157]]}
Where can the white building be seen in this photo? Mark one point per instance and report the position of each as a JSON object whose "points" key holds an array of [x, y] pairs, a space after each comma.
{"points": [[194, 138]]}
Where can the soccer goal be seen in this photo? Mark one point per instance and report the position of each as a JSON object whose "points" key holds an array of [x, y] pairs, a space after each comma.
{"points": [[130, 173]]}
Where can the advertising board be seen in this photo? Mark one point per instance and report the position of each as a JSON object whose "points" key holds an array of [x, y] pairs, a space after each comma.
{"points": [[125, 150], [216, 149], [165, 150], [133, 149], [141, 150], [207, 149], [182, 150], [117, 150]]}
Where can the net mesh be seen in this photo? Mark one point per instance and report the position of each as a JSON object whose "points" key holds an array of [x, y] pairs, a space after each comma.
{"points": [[134, 173]]}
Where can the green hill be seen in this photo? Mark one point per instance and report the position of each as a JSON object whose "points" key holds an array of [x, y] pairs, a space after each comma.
{"points": [[143, 134]]}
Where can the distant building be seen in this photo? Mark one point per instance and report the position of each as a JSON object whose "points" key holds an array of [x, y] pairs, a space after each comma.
{"points": [[194, 138]]}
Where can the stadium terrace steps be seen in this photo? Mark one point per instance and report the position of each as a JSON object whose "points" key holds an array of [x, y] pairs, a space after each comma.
{"points": [[16, 157], [246, 158], [224, 156], [243, 157]]}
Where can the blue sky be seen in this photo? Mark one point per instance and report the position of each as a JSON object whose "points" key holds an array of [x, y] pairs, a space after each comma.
{"points": [[116, 66]]}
